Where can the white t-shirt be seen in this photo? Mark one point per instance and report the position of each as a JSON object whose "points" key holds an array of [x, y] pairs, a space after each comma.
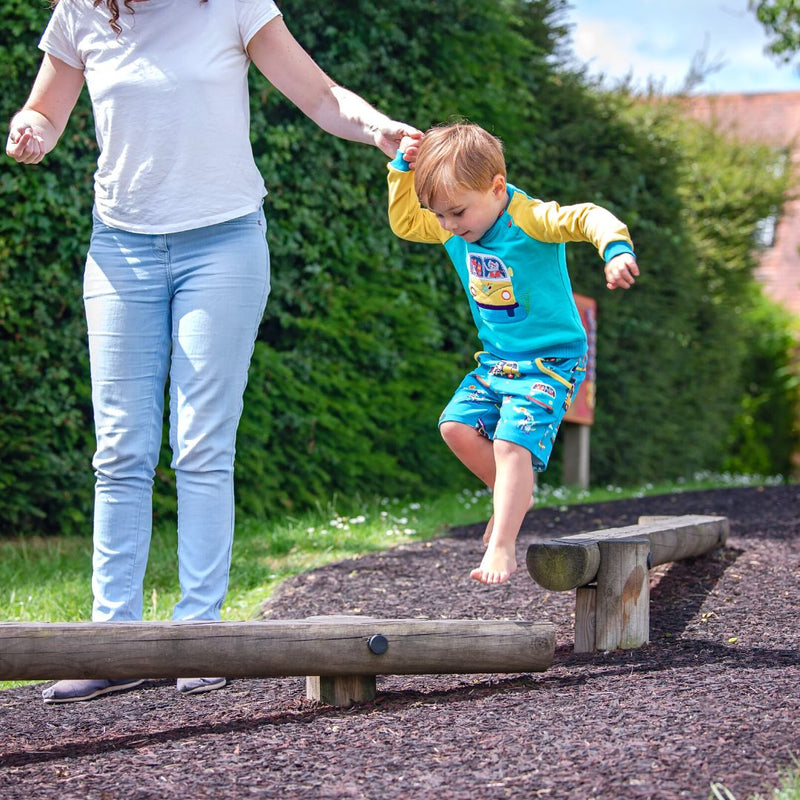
{"points": [[171, 108]]}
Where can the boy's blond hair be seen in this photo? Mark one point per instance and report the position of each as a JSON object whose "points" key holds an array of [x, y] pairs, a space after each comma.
{"points": [[459, 156]]}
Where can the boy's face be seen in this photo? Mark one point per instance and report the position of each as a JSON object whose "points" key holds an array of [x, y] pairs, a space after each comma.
{"points": [[469, 213]]}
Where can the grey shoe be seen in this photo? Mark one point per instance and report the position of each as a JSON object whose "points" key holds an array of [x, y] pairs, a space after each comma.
{"points": [[199, 685], [77, 690]]}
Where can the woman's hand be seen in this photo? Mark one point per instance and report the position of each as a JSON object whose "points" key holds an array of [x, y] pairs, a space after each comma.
{"points": [[25, 144], [397, 136], [37, 127]]}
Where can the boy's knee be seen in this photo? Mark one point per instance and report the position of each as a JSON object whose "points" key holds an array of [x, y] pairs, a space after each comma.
{"points": [[446, 429], [455, 431], [505, 449]]}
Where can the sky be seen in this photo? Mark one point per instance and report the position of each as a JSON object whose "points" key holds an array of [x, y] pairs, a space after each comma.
{"points": [[657, 41]]}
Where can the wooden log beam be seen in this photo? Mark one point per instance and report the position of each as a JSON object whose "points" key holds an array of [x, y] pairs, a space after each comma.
{"points": [[560, 565], [571, 561], [272, 648]]}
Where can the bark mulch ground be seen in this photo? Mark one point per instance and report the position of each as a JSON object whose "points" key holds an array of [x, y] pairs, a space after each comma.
{"points": [[714, 696]]}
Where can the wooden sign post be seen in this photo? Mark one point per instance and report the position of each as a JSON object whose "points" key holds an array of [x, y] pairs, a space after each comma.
{"points": [[579, 418]]}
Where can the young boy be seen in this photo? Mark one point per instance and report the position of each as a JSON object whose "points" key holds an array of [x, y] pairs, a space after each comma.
{"points": [[449, 187]]}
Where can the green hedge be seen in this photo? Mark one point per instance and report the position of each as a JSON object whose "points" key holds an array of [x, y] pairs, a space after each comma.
{"points": [[46, 437], [366, 336]]}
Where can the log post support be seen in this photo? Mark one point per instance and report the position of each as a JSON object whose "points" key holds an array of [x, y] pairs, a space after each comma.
{"points": [[343, 690], [585, 618], [623, 594]]}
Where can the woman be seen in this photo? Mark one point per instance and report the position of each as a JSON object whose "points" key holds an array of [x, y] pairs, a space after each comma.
{"points": [[177, 273]]}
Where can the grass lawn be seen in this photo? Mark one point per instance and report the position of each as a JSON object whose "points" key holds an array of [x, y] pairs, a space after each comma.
{"points": [[47, 578]]}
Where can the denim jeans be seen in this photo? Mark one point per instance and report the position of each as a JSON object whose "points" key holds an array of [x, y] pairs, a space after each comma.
{"points": [[184, 306]]}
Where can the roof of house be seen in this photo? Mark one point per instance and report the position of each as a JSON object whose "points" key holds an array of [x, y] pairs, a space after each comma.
{"points": [[772, 118]]}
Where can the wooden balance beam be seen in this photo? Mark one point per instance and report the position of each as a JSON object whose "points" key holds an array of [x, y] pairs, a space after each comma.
{"points": [[609, 569], [340, 656]]}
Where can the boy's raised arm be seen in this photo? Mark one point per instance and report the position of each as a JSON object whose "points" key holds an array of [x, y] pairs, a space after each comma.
{"points": [[407, 218]]}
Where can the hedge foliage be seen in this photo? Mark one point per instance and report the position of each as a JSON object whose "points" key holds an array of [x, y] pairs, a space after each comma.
{"points": [[365, 336]]}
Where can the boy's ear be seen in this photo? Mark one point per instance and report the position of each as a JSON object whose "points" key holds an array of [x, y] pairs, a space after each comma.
{"points": [[498, 185]]}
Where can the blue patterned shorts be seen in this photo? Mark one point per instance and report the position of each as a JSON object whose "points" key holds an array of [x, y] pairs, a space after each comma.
{"points": [[518, 401]]}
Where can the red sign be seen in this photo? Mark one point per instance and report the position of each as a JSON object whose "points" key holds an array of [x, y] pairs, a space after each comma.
{"points": [[582, 409]]}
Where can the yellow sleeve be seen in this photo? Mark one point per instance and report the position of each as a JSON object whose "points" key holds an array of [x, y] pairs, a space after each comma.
{"points": [[584, 222], [407, 218]]}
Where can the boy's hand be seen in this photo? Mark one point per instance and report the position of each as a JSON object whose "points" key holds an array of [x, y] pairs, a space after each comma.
{"points": [[409, 147], [621, 271], [389, 138]]}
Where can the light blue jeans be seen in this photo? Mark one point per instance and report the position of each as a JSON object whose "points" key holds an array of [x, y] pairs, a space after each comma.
{"points": [[185, 306]]}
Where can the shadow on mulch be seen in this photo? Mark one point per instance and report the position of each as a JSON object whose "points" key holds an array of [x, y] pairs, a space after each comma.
{"points": [[683, 589]]}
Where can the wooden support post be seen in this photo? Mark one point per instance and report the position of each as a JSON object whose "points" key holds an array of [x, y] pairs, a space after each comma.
{"points": [[623, 594], [575, 448], [586, 619], [341, 691]]}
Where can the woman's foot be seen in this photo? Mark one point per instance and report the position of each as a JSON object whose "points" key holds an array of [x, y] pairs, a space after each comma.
{"points": [[78, 690], [200, 685]]}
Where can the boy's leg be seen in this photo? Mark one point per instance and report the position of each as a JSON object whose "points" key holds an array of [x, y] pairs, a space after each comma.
{"points": [[476, 453], [532, 409], [519, 406], [501, 423], [513, 489]]}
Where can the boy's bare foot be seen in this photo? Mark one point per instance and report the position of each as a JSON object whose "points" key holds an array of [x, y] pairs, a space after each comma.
{"points": [[487, 534], [497, 565]]}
